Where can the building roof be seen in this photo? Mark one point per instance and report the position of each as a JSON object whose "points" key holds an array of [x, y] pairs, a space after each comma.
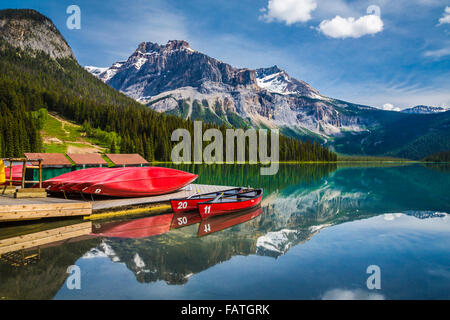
{"points": [[87, 158], [50, 159], [126, 159]]}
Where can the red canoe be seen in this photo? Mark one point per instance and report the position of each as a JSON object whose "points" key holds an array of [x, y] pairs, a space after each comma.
{"points": [[77, 185], [134, 229], [190, 203], [219, 223], [142, 182], [79, 174], [223, 204], [16, 173]]}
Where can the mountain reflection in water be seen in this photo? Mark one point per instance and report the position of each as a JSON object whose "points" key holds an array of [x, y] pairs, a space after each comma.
{"points": [[299, 203]]}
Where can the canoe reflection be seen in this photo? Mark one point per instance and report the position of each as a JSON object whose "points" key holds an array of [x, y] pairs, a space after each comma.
{"points": [[134, 229], [219, 223], [185, 219]]}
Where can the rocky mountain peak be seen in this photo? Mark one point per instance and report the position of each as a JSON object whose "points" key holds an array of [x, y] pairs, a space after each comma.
{"points": [[171, 45], [268, 71], [29, 30], [276, 80], [177, 44]]}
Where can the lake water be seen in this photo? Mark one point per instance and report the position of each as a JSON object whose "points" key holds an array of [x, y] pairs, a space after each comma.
{"points": [[321, 232]]}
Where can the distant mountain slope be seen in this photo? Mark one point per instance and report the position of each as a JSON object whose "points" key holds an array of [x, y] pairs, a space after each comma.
{"points": [[404, 135], [424, 109]]}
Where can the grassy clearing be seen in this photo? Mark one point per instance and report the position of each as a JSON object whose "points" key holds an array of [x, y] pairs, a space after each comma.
{"points": [[60, 135]]}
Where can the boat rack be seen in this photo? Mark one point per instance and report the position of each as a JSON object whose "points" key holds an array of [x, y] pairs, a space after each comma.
{"points": [[24, 168], [23, 191]]}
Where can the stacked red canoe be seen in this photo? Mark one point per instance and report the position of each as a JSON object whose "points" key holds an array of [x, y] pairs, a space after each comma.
{"points": [[16, 174], [121, 182]]}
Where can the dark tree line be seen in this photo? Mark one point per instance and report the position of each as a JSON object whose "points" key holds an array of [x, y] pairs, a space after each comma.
{"points": [[443, 156], [31, 82]]}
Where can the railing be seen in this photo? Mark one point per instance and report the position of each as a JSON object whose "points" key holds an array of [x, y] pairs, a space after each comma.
{"points": [[24, 169]]}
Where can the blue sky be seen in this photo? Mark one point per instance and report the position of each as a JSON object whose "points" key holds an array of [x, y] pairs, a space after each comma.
{"points": [[392, 53]]}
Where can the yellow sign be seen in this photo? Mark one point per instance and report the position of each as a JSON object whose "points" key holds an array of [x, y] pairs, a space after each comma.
{"points": [[2, 171]]}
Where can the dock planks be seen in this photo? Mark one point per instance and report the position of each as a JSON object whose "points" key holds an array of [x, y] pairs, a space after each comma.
{"points": [[38, 208], [12, 209]]}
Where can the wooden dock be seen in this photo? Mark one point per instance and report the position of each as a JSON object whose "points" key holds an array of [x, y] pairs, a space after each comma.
{"points": [[12, 209]]}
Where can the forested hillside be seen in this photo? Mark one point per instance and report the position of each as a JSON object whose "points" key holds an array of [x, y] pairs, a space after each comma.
{"points": [[29, 82]]}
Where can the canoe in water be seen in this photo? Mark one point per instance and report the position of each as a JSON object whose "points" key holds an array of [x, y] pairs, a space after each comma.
{"points": [[190, 203], [141, 182], [224, 204]]}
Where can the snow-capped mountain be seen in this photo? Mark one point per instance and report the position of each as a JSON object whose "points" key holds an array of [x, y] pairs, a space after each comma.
{"points": [[275, 80], [424, 110], [176, 79]]}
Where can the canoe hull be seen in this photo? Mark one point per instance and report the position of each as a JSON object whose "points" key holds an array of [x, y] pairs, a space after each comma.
{"points": [[145, 182], [186, 205], [191, 204], [209, 209]]}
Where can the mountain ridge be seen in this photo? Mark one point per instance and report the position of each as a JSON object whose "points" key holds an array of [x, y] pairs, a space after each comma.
{"points": [[163, 75], [175, 79], [28, 30]]}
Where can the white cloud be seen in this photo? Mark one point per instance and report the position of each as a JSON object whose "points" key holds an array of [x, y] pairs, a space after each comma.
{"points": [[339, 27], [389, 107], [446, 17], [289, 11], [437, 53], [345, 294]]}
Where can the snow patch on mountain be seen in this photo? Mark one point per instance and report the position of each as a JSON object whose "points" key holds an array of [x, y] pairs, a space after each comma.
{"points": [[96, 71], [425, 110], [138, 262], [274, 83], [276, 243], [104, 250]]}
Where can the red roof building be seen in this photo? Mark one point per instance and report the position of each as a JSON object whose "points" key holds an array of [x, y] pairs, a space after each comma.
{"points": [[87, 159], [127, 159], [50, 159]]}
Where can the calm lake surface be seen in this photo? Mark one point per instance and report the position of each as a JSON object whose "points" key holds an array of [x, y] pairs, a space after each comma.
{"points": [[319, 229]]}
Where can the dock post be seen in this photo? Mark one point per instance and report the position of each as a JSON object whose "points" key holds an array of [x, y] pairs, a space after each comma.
{"points": [[40, 173], [10, 173], [24, 170]]}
